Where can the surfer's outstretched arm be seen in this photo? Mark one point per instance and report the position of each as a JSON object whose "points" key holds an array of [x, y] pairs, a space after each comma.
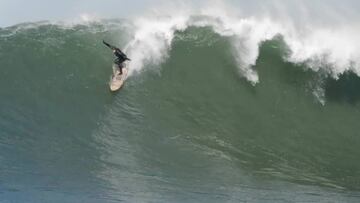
{"points": [[110, 46], [117, 51]]}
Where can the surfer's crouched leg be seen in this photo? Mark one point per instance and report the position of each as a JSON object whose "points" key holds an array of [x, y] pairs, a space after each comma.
{"points": [[121, 66], [120, 69]]}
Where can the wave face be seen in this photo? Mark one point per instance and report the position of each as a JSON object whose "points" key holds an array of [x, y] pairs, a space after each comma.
{"points": [[216, 109]]}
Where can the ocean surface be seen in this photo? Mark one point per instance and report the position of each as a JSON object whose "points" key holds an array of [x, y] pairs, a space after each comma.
{"points": [[211, 112]]}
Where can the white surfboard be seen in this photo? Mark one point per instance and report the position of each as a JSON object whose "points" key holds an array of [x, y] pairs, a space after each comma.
{"points": [[117, 80]]}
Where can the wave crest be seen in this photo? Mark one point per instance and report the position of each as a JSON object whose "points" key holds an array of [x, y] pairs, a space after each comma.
{"points": [[333, 50]]}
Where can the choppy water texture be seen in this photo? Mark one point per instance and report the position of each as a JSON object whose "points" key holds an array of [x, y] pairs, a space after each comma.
{"points": [[188, 128]]}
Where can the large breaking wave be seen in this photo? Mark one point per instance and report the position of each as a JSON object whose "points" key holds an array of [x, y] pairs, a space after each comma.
{"points": [[264, 122], [317, 36], [331, 48]]}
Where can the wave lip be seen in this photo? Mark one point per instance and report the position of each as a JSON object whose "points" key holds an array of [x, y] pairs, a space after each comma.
{"points": [[324, 37], [333, 50]]}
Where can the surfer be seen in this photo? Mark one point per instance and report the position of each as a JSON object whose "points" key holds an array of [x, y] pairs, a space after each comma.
{"points": [[120, 56]]}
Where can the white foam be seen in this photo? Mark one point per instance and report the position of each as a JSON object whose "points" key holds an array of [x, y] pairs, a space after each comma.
{"points": [[332, 48], [152, 40]]}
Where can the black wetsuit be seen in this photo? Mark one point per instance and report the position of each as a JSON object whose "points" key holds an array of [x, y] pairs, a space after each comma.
{"points": [[120, 56]]}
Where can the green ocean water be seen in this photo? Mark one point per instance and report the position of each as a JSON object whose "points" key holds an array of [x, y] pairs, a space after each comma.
{"points": [[190, 129]]}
